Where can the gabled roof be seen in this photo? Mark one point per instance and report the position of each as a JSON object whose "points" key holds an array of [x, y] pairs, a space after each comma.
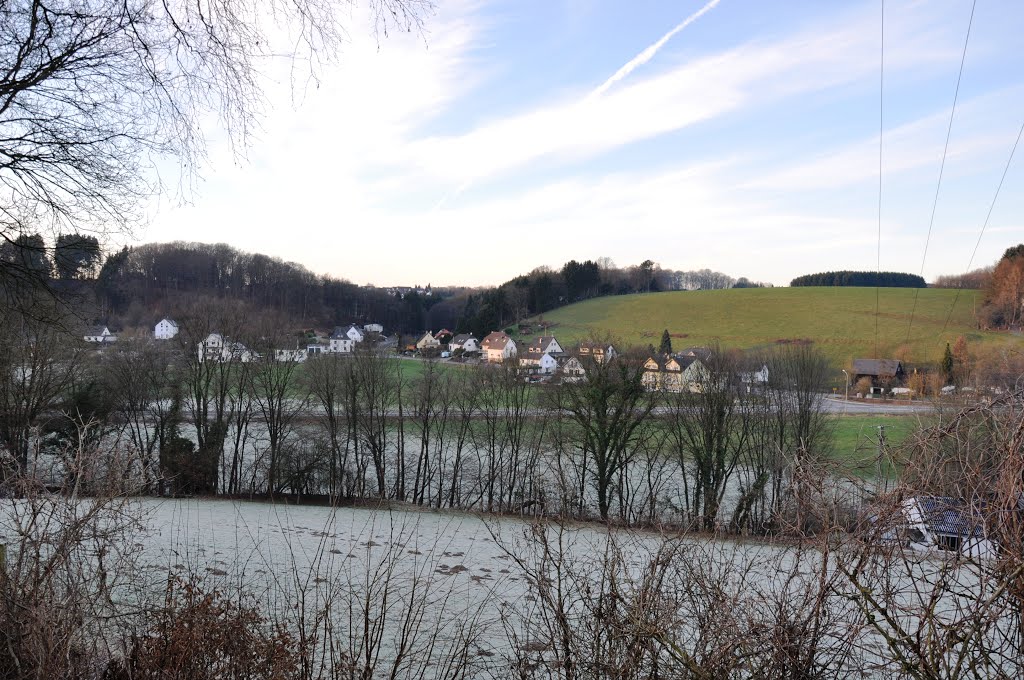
{"points": [[876, 367], [539, 344], [496, 340], [951, 517], [462, 338], [170, 321], [664, 362], [686, 360], [702, 353], [340, 333], [97, 330]]}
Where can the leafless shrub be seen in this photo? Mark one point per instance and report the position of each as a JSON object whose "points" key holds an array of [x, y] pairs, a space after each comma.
{"points": [[620, 605], [71, 574], [203, 634]]}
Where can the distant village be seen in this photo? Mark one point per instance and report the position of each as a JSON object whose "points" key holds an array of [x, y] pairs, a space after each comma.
{"points": [[540, 359]]}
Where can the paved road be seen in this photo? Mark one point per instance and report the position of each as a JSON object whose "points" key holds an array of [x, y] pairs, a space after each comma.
{"points": [[879, 407]]}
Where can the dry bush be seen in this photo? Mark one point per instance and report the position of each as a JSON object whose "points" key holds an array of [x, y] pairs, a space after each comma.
{"points": [[72, 576], [621, 605], [202, 634]]}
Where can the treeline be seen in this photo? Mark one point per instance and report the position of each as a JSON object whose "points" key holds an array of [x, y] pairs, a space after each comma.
{"points": [[852, 278], [137, 283], [977, 279], [545, 289], [1003, 306]]}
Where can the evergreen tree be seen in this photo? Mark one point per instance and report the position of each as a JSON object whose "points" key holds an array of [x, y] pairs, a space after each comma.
{"points": [[666, 343], [947, 364]]}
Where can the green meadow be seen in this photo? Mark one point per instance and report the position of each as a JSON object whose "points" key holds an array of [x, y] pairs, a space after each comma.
{"points": [[842, 322]]}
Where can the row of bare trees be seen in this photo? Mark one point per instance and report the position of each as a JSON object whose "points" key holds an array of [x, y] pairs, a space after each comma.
{"points": [[371, 426]]}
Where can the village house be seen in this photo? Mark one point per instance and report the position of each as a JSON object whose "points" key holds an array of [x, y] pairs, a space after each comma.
{"points": [[545, 344], [755, 374], [296, 355], [662, 372], [942, 523], [99, 334], [374, 328], [596, 352], [340, 342], [882, 372], [498, 346], [466, 342], [674, 373], [216, 347], [702, 353], [354, 333], [570, 370], [165, 329], [428, 343]]}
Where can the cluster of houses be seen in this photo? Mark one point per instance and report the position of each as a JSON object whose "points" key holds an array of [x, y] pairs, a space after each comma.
{"points": [[542, 356]]}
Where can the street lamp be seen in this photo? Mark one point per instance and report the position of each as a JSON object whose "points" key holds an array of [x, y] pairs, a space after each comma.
{"points": [[847, 384]]}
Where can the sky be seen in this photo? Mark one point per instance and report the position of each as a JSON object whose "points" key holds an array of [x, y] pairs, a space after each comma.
{"points": [[734, 135]]}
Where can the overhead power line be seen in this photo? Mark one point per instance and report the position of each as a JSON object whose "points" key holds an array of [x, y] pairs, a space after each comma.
{"points": [[881, 109], [984, 226], [942, 165]]}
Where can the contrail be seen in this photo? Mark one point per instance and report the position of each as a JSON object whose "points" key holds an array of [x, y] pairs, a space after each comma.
{"points": [[629, 67], [648, 54]]}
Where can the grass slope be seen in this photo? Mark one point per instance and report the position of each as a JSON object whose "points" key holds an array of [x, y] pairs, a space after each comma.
{"points": [[838, 320]]}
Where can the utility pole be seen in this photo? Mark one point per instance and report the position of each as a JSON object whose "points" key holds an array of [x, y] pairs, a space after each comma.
{"points": [[881, 452]]}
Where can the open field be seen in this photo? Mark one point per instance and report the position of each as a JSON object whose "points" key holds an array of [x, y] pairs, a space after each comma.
{"points": [[840, 321], [856, 437]]}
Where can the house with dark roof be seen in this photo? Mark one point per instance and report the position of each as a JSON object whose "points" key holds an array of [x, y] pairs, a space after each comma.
{"points": [[340, 342], [674, 373], [942, 523], [882, 372], [466, 342], [99, 334]]}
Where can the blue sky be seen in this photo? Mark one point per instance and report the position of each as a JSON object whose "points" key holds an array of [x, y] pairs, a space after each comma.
{"points": [[516, 134]]}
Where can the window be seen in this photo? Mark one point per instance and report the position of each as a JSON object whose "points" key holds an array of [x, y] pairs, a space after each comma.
{"points": [[947, 542]]}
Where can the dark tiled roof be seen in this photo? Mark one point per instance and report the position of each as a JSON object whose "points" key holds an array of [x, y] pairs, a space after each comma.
{"points": [[950, 517], [876, 366]]}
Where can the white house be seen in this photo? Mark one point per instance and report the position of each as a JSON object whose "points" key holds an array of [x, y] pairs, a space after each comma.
{"points": [[296, 355], [756, 376], [354, 334], [100, 334], [570, 369], [215, 347], [498, 347], [545, 344], [940, 523], [373, 328], [466, 342], [547, 364], [165, 329], [341, 342], [427, 342]]}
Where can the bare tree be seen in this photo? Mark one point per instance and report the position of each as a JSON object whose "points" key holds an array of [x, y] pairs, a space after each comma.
{"points": [[143, 380], [93, 98], [38, 365], [280, 396], [608, 410], [709, 429]]}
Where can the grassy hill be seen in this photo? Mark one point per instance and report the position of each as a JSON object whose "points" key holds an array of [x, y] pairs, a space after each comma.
{"points": [[840, 321]]}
